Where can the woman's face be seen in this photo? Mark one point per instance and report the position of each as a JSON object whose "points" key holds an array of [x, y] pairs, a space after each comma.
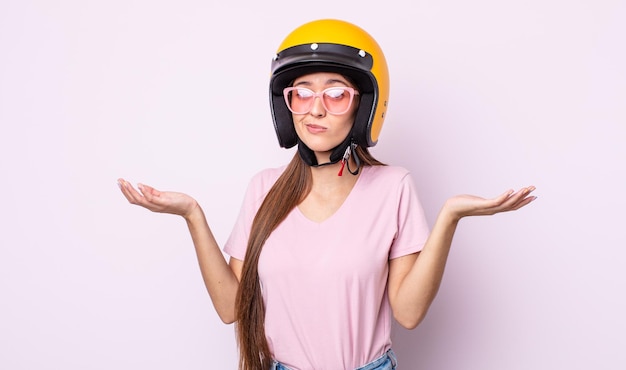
{"points": [[320, 130]]}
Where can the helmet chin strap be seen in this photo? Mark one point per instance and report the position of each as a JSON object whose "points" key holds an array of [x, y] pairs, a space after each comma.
{"points": [[346, 159], [342, 153]]}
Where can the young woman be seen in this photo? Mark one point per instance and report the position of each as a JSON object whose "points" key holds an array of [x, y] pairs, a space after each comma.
{"points": [[329, 247]]}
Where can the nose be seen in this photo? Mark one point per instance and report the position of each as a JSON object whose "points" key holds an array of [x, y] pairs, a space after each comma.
{"points": [[318, 109]]}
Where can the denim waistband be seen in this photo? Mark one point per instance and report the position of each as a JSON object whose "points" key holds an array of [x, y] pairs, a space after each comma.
{"points": [[384, 362], [387, 361]]}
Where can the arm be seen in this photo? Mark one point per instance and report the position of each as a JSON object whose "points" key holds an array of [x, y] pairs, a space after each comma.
{"points": [[220, 278], [415, 279]]}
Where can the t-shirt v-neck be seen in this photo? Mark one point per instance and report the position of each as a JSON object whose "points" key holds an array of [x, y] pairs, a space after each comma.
{"points": [[344, 204]]}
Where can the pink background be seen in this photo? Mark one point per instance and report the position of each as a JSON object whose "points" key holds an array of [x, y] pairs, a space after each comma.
{"points": [[485, 96]]}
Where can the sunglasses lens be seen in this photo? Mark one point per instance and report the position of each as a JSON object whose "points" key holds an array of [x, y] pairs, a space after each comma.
{"points": [[301, 100], [336, 100]]}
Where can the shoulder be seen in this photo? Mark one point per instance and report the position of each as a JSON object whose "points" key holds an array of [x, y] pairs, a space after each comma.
{"points": [[262, 181], [258, 187], [386, 174], [267, 177], [393, 181]]}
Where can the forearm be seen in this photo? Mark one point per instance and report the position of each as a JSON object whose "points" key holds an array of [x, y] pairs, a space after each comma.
{"points": [[415, 281], [219, 278], [420, 286]]}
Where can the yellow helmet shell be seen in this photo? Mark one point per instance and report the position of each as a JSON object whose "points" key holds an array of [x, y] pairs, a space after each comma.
{"points": [[330, 45]]}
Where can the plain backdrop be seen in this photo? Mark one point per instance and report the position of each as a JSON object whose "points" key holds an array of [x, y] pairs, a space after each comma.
{"points": [[486, 95]]}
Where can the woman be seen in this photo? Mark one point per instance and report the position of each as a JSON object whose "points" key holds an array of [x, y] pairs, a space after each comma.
{"points": [[329, 247]]}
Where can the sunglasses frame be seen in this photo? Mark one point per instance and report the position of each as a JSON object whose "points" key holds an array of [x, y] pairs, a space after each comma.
{"points": [[319, 95]]}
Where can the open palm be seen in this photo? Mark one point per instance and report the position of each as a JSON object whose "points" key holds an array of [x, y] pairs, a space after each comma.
{"points": [[158, 201], [471, 205]]}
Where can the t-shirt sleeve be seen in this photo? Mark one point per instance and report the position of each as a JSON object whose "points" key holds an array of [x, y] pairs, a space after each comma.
{"points": [[259, 185], [412, 225]]}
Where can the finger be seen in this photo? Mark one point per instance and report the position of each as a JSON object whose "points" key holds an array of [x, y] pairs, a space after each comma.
{"points": [[149, 192], [524, 202], [499, 200], [520, 194], [131, 194], [519, 199], [504, 202], [120, 184], [123, 185], [526, 199]]}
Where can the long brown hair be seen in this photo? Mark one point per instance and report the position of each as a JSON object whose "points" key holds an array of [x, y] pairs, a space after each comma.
{"points": [[289, 190]]}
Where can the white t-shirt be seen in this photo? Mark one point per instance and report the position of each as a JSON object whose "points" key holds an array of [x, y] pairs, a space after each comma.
{"points": [[324, 284]]}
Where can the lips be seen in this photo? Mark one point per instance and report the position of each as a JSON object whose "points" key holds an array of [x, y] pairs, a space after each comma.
{"points": [[315, 129]]}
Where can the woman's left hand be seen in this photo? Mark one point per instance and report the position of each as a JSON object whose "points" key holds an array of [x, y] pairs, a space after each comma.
{"points": [[469, 205]]}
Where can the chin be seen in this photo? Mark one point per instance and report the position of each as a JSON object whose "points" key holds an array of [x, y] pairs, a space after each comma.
{"points": [[321, 148], [320, 143]]}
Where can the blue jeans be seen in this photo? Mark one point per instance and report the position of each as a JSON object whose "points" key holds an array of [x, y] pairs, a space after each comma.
{"points": [[388, 361]]}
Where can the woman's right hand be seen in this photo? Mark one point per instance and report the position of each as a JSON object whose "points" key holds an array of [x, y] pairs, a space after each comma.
{"points": [[158, 201]]}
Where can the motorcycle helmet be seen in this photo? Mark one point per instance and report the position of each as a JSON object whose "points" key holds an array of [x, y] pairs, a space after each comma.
{"points": [[337, 46]]}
